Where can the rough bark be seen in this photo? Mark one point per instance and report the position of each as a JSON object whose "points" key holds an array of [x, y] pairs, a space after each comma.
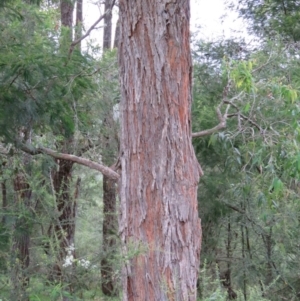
{"points": [[159, 220]]}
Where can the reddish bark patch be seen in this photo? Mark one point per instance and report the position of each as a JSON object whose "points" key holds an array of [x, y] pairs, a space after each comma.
{"points": [[160, 172]]}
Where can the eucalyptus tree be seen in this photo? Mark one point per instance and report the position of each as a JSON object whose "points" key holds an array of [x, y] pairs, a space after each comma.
{"points": [[159, 171]]}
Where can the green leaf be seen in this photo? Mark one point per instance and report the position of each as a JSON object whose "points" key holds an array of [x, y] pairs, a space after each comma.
{"points": [[246, 107], [213, 139]]}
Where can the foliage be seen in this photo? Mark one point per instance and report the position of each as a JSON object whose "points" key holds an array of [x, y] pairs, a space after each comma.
{"points": [[270, 18], [48, 97], [39, 84], [213, 290], [249, 195]]}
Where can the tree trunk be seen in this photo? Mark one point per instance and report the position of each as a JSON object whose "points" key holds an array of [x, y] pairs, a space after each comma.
{"points": [[267, 239], [159, 224], [66, 13], [244, 264], [117, 34], [64, 228], [78, 30], [226, 280], [21, 239], [107, 26], [66, 17], [110, 222], [4, 202], [109, 236]]}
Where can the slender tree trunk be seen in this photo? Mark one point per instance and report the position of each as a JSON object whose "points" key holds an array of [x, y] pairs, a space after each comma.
{"points": [[4, 202], [64, 228], [5, 234], [110, 221], [159, 224], [244, 264], [21, 238], [117, 34], [63, 231], [109, 236], [66, 17], [267, 238], [226, 280], [79, 18], [248, 243], [107, 26]]}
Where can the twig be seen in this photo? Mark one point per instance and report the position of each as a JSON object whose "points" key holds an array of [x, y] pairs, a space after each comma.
{"points": [[248, 119]]}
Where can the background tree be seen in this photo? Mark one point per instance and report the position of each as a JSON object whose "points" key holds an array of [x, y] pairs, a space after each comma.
{"points": [[46, 91]]}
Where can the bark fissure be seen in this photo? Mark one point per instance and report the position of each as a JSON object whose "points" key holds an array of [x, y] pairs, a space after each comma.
{"points": [[159, 217]]}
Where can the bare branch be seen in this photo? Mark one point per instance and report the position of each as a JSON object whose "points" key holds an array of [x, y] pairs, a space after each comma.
{"points": [[240, 115], [222, 118], [105, 170], [248, 119], [220, 126], [74, 43]]}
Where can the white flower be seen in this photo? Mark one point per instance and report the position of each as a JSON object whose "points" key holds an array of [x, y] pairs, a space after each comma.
{"points": [[84, 263], [68, 260]]}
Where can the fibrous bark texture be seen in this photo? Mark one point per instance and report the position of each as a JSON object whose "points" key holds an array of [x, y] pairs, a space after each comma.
{"points": [[159, 223]]}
